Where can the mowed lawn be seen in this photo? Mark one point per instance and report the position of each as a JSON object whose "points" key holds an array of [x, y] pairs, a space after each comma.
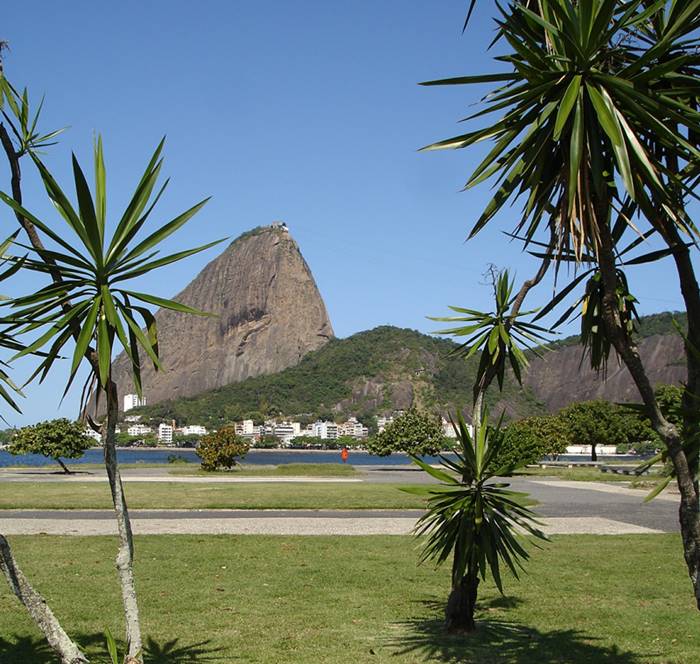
{"points": [[180, 495], [587, 599]]}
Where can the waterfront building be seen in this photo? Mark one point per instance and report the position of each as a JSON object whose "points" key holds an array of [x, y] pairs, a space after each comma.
{"points": [[325, 430], [139, 430], [194, 430], [165, 434]]}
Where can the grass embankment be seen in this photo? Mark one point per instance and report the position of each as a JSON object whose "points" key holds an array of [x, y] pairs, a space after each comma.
{"points": [[610, 599], [167, 495], [283, 470], [583, 474]]}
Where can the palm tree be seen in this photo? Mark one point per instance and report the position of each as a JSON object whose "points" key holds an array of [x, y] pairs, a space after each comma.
{"points": [[598, 122], [473, 519], [87, 302]]}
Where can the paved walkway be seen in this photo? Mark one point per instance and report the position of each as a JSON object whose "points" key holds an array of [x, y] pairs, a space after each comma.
{"points": [[268, 522], [564, 507]]}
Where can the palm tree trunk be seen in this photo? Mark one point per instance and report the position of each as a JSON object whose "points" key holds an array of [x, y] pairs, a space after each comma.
{"points": [[38, 609], [461, 604], [689, 509], [125, 553]]}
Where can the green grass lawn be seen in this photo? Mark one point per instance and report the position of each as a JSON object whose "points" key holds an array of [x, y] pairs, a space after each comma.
{"points": [[283, 470], [335, 600], [583, 474], [167, 495]]}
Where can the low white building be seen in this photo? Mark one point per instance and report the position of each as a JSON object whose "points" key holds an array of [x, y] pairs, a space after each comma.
{"points": [[353, 428], [194, 430], [139, 430], [586, 449], [133, 401]]}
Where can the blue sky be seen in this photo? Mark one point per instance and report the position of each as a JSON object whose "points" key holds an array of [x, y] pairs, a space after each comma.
{"points": [[308, 112]]}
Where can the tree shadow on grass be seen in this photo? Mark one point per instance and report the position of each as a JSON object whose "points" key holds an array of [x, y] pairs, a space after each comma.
{"points": [[501, 641], [22, 650]]}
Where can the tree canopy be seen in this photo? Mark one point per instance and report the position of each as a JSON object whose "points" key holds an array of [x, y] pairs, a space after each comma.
{"points": [[54, 439], [414, 432]]}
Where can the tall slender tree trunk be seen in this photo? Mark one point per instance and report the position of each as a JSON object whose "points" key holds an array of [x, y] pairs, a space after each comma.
{"points": [[689, 509], [38, 609], [125, 553]]}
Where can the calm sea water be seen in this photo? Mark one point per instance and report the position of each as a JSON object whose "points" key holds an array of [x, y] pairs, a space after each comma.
{"points": [[259, 457]]}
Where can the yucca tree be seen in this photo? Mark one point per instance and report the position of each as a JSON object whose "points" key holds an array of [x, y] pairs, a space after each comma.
{"points": [[89, 306], [473, 519], [500, 335], [597, 122]]}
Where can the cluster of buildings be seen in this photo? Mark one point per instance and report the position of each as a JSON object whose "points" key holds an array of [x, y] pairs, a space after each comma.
{"points": [[286, 431]]}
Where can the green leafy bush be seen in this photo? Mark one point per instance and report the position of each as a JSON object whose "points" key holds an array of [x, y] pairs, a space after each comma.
{"points": [[414, 432], [528, 440], [221, 449]]}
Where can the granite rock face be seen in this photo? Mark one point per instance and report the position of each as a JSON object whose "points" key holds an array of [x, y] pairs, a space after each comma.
{"points": [[556, 379], [268, 315]]}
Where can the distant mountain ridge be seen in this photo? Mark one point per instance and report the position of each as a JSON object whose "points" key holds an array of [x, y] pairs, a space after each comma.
{"points": [[390, 368]]}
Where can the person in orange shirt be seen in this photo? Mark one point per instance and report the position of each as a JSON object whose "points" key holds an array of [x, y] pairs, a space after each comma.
{"points": [[344, 454]]}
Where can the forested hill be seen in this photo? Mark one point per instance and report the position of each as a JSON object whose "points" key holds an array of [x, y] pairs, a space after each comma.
{"points": [[369, 373], [390, 368]]}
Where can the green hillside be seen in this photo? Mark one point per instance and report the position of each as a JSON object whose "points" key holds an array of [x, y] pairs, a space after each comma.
{"points": [[367, 374]]}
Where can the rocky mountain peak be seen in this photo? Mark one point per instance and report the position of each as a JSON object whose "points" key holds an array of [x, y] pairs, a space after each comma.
{"points": [[268, 314]]}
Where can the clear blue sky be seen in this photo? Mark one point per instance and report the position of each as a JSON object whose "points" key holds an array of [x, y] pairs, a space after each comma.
{"points": [[308, 112]]}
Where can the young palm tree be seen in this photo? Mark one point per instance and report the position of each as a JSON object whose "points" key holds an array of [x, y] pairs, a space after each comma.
{"points": [[474, 520], [88, 303], [598, 122]]}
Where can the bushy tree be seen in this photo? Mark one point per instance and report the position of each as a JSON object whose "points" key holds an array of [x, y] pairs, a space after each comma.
{"points": [[528, 440], [267, 442], [595, 423], [414, 432], [222, 449], [54, 439]]}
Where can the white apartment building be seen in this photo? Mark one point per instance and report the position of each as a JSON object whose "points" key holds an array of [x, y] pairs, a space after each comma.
{"points": [[325, 430], [248, 428], [165, 434], [194, 430], [139, 430], [353, 428], [133, 401], [286, 431]]}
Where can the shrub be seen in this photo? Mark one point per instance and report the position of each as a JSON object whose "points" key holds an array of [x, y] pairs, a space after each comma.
{"points": [[221, 448]]}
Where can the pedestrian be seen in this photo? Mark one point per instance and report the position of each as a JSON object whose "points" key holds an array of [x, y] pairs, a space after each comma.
{"points": [[344, 454]]}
